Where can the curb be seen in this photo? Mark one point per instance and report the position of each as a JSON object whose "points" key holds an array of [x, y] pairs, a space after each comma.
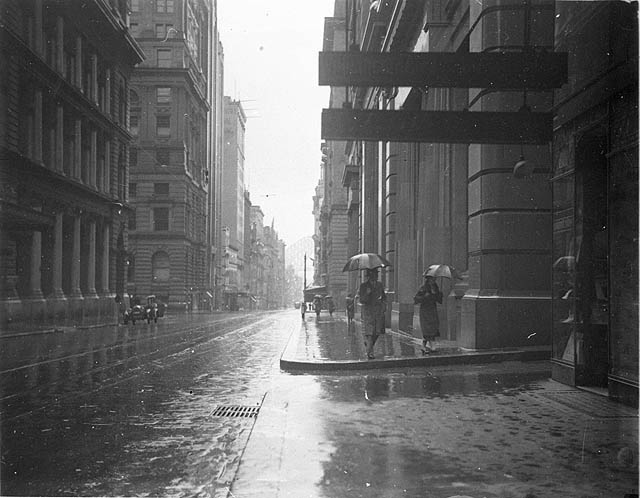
{"points": [[427, 361]]}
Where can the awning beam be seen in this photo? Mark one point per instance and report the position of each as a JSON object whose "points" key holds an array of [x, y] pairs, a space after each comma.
{"points": [[534, 128], [531, 69]]}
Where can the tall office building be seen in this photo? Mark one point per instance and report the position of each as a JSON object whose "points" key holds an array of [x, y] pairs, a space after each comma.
{"points": [[171, 160]]}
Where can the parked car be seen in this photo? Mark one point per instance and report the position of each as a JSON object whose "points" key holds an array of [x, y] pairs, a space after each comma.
{"points": [[133, 313]]}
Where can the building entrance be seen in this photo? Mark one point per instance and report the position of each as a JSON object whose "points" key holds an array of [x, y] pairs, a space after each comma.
{"points": [[591, 264]]}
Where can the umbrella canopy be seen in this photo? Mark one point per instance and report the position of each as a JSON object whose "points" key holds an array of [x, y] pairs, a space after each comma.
{"points": [[565, 263], [445, 271], [365, 261]]}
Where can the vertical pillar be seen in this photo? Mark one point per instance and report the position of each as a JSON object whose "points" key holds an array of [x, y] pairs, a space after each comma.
{"points": [[60, 44], [75, 261], [37, 8], [91, 263], [37, 135], [107, 166], [79, 62], [35, 277], [77, 166], [59, 163], [93, 162], [106, 242], [57, 256], [94, 78], [107, 92]]}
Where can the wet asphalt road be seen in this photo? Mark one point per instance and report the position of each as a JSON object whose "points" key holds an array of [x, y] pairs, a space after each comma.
{"points": [[127, 411]]}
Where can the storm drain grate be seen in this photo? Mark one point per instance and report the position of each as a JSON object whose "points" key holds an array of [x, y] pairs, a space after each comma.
{"points": [[235, 411]]}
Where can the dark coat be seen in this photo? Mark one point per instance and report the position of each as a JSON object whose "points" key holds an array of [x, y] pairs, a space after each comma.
{"points": [[427, 297]]}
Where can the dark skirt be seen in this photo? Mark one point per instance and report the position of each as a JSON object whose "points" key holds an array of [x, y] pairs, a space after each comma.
{"points": [[429, 322]]}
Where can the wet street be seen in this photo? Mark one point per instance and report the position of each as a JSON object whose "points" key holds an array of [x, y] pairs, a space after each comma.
{"points": [[131, 411], [128, 411]]}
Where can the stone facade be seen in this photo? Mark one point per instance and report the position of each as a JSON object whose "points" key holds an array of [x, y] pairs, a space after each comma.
{"points": [[170, 173], [65, 162]]}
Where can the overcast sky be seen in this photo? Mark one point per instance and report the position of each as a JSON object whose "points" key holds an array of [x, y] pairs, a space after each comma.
{"points": [[271, 65]]}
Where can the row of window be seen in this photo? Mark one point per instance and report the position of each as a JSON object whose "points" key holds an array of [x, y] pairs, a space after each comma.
{"points": [[163, 156], [160, 220], [164, 31], [161, 6], [163, 96], [158, 189], [163, 125]]}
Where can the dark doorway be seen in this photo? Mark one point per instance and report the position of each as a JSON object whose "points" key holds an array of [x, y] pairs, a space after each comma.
{"points": [[592, 267]]}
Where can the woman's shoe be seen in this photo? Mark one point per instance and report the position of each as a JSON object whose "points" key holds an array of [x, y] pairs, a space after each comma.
{"points": [[370, 356], [426, 350]]}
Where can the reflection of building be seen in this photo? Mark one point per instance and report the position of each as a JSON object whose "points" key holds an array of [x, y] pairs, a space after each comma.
{"points": [[595, 199], [233, 200], [65, 161], [169, 165], [468, 206]]}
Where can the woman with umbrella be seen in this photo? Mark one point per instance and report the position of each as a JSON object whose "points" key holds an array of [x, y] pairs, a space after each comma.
{"points": [[427, 297], [374, 301]]}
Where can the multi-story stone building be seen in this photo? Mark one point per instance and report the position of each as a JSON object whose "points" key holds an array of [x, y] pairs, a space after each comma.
{"points": [[233, 201], [170, 163], [64, 167], [542, 227], [216, 127]]}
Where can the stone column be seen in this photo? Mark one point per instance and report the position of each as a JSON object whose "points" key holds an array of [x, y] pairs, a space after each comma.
{"points": [[38, 33], [91, 263], [60, 44], [104, 277], [79, 62], [35, 277], [37, 124], [94, 78], [75, 261], [59, 166], [107, 92], [57, 256], [93, 162], [77, 166], [107, 166]]}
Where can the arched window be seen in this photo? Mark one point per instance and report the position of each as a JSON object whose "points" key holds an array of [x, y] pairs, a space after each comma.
{"points": [[160, 267], [134, 100]]}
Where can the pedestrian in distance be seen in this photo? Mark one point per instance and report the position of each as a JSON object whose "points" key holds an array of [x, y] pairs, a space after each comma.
{"points": [[330, 305], [351, 308], [428, 296], [303, 308], [373, 300]]}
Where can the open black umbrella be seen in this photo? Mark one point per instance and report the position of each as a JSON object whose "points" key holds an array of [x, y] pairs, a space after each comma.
{"points": [[366, 261]]}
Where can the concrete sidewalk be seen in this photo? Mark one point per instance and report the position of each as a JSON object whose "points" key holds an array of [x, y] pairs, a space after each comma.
{"points": [[339, 425], [328, 343]]}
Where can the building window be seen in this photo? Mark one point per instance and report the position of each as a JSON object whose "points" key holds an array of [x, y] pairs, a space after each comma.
{"points": [[164, 57], [164, 6], [133, 157], [134, 126], [161, 219], [163, 95], [132, 220], [161, 188], [133, 29], [160, 267], [164, 31], [163, 126], [135, 5], [133, 189], [163, 156]]}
